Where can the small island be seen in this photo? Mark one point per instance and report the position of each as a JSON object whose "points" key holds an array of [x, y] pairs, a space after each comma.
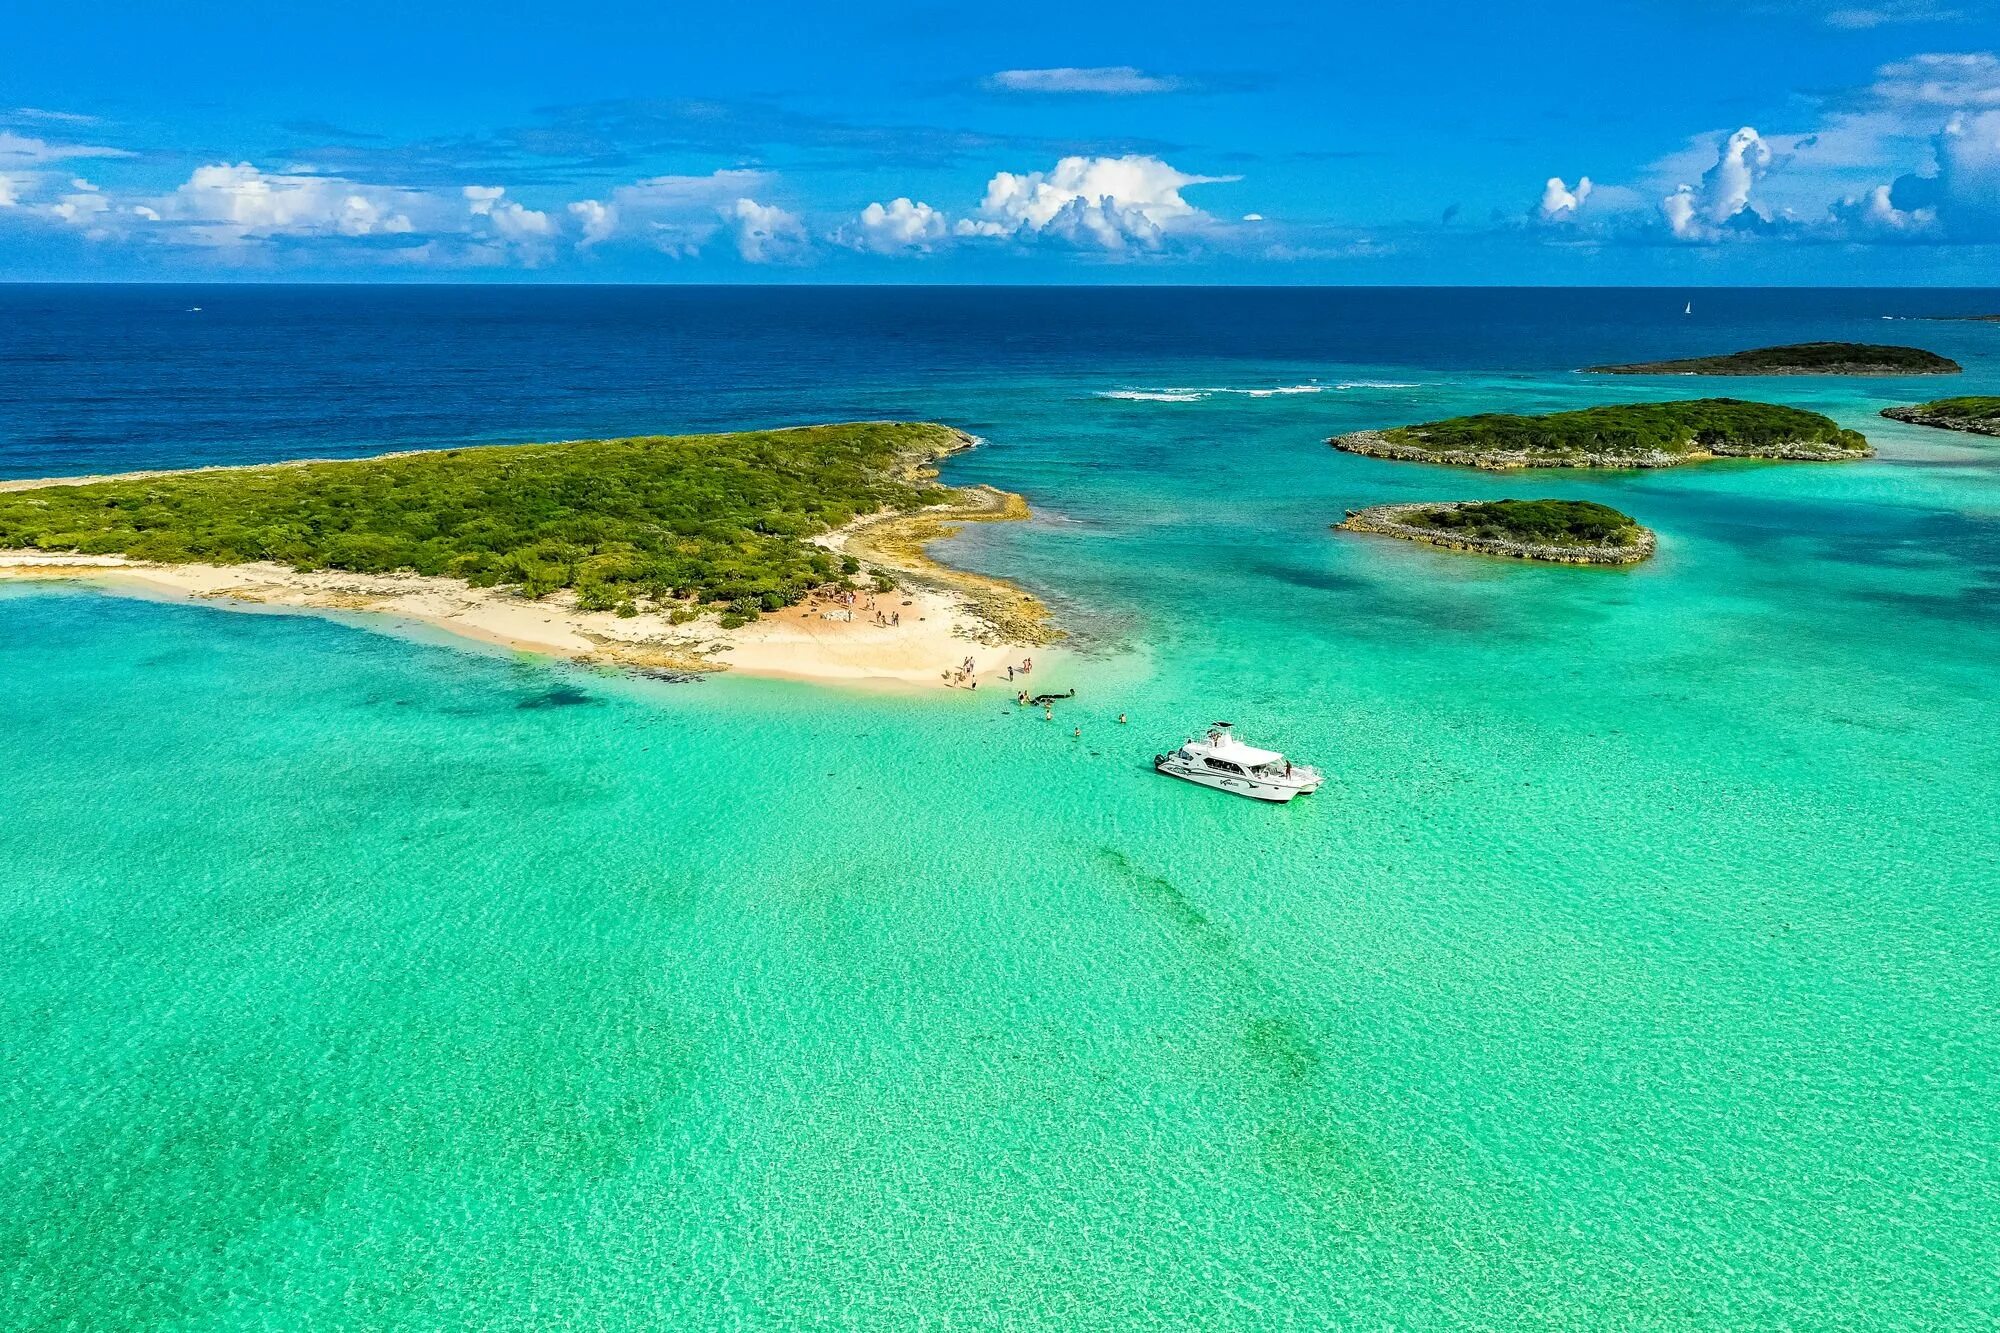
{"points": [[1979, 416], [1561, 532], [1799, 359], [1634, 435], [790, 552]]}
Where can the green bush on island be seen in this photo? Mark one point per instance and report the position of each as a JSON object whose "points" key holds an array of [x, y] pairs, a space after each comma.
{"points": [[1980, 415], [1543, 522], [1701, 425], [1822, 358], [719, 519], [1972, 408]]}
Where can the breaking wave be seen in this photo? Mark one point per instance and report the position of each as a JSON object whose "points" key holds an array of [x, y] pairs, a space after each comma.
{"points": [[1197, 395]]}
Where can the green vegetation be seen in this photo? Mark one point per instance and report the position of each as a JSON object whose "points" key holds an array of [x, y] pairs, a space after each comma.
{"points": [[674, 519], [1981, 416], [1801, 359], [1539, 522], [1628, 435]]}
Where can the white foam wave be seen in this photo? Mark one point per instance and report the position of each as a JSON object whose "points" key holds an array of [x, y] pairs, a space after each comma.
{"points": [[1203, 393]]}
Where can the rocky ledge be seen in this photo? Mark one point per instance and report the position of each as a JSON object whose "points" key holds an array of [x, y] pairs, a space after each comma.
{"points": [[1823, 358], [1376, 444], [1405, 521], [1979, 416]]}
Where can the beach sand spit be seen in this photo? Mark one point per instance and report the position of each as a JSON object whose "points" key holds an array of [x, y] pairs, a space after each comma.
{"points": [[946, 615]]}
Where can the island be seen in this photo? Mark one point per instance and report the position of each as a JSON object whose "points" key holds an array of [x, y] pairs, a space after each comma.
{"points": [[1562, 532], [1830, 358], [786, 552], [1980, 416], [1635, 435]]}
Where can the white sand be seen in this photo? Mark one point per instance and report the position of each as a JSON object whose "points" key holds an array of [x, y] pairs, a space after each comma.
{"points": [[937, 634]]}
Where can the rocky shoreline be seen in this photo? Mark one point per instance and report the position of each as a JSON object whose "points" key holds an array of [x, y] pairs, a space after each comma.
{"points": [[1388, 521], [1850, 369], [1925, 414], [999, 611], [1375, 444], [1815, 358]]}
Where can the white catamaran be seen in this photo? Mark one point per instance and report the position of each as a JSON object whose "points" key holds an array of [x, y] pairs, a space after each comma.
{"points": [[1221, 761]]}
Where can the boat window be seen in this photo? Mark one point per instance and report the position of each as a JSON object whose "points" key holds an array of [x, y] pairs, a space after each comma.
{"points": [[1223, 764]]}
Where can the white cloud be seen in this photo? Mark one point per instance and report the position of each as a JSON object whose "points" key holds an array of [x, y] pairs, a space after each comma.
{"points": [[901, 226], [676, 215], [1723, 199], [1116, 80], [1108, 203], [765, 233], [510, 221], [20, 150], [235, 205], [1969, 169], [1962, 193], [1559, 202], [1951, 82], [1874, 214], [518, 224], [509, 229], [85, 206], [1892, 11], [598, 220], [20, 157], [58, 117]]}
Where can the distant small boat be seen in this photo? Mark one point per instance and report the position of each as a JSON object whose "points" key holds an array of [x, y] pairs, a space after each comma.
{"points": [[194, 310], [1221, 761], [1689, 310]]}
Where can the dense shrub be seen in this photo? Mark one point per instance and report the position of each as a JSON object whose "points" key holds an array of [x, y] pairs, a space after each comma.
{"points": [[1632, 429], [704, 518], [1541, 522], [1795, 358]]}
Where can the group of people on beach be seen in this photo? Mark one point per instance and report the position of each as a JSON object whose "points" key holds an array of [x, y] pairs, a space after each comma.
{"points": [[964, 672]]}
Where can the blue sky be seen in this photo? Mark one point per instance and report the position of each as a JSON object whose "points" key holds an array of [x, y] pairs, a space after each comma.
{"points": [[1838, 141]]}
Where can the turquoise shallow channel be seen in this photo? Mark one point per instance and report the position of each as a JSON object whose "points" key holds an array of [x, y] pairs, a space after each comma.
{"points": [[1637, 968]]}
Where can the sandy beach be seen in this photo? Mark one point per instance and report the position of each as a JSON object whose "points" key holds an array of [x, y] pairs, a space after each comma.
{"points": [[943, 616]]}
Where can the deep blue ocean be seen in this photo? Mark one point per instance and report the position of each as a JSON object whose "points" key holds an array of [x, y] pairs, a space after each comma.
{"points": [[111, 378], [1638, 967]]}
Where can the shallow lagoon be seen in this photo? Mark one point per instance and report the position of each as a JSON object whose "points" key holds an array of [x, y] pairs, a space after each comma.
{"points": [[1635, 969]]}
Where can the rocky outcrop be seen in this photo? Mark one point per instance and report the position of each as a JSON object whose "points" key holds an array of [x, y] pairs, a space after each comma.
{"points": [[1945, 416], [1395, 521], [1375, 444], [1821, 358]]}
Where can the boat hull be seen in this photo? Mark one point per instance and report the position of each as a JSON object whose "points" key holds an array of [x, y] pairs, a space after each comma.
{"points": [[1256, 789]]}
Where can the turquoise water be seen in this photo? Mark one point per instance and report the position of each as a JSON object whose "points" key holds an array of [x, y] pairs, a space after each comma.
{"points": [[1637, 968]]}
